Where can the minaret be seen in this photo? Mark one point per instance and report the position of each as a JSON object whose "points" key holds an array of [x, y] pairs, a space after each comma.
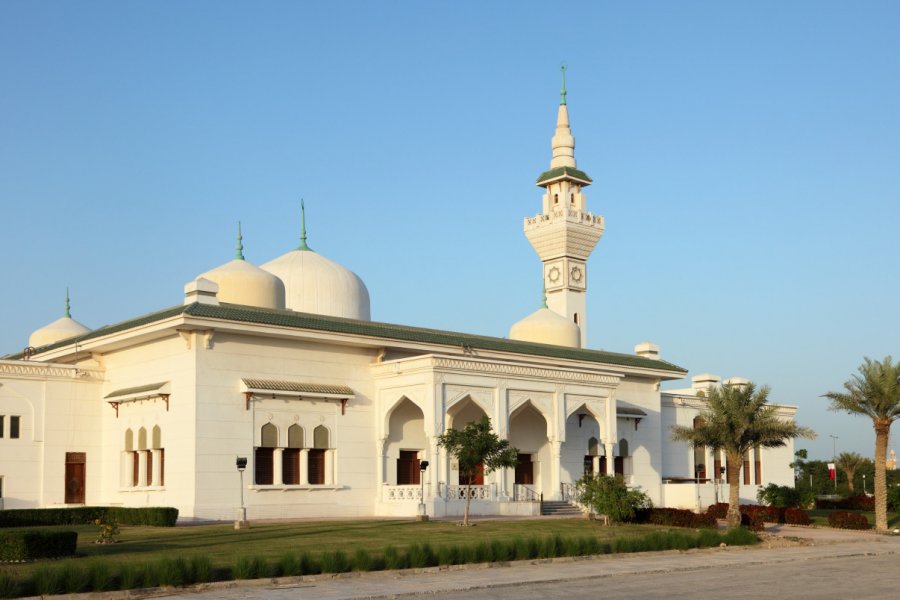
{"points": [[564, 233]]}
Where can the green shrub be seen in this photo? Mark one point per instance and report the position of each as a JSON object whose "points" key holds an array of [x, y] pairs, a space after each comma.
{"points": [[9, 587], [335, 562], [362, 560], [100, 576], [526, 548], [675, 517], [28, 545], [174, 571], [848, 520], [738, 536], [608, 495], [785, 496], [893, 498], [74, 578], [47, 581], [309, 565], [251, 567], [449, 555], [201, 569], [288, 565]]}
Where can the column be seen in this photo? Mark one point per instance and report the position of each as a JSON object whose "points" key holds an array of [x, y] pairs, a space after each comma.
{"points": [[278, 466], [304, 466], [157, 467], [595, 465], [610, 458], [142, 468], [433, 473], [381, 463], [329, 466], [125, 469], [555, 454]]}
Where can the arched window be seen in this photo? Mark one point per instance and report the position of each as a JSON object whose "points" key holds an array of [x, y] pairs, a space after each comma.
{"points": [[316, 464], [131, 465], [571, 198], [593, 449], [619, 462], [576, 318], [263, 456], [142, 439], [555, 198], [290, 458], [593, 446], [156, 438], [129, 441], [156, 444]]}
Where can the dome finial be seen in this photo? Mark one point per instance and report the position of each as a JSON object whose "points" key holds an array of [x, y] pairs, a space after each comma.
{"points": [[239, 254], [562, 92], [303, 245], [544, 297], [68, 312]]}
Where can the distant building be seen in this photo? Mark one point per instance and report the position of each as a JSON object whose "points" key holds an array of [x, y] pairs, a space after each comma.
{"points": [[334, 412]]}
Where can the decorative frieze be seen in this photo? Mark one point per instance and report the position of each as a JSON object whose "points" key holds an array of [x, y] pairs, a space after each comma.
{"points": [[23, 368]]}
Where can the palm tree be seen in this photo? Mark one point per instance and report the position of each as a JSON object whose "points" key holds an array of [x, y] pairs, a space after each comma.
{"points": [[738, 418], [875, 393], [849, 463]]}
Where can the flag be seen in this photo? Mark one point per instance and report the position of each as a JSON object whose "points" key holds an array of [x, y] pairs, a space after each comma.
{"points": [[831, 472]]}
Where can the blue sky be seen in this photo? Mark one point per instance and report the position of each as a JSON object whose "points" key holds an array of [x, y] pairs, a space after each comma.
{"points": [[746, 158]]}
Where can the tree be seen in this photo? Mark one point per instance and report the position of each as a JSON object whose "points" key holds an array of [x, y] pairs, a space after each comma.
{"points": [[875, 393], [608, 495], [737, 419], [476, 447], [849, 463]]}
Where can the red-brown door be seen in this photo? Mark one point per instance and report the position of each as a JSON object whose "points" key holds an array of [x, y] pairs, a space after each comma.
{"points": [[75, 474], [525, 470], [408, 471], [477, 476]]}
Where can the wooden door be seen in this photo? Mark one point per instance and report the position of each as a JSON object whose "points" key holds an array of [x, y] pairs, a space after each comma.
{"points": [[408, 472], [525, 470], [316, 466], [477, 476], [75, 477], [619, 465]]}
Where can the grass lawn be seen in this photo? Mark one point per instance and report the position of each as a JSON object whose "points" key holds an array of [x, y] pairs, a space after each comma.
{"points": [[223, 545], [820, 517]]}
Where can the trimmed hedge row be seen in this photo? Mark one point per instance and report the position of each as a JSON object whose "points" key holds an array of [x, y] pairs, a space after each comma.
{"points": [[675, 517], [754, 515], [29, 545], [860, 502], [154, 516], [848, 520], [100, 575]]}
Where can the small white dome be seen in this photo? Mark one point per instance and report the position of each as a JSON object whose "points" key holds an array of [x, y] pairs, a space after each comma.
{"points": [[61, 329], [546, 327], [314, 284], [242, 283]]}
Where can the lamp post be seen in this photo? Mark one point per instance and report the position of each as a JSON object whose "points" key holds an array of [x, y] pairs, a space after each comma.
{"points": [[864, 485], [423, 515], [241, 521]]}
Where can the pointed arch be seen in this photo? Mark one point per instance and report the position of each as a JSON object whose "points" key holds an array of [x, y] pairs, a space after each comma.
{"points": [[295, 437], [530, 404], [268, 436], [129, 440], [321, 438], [394, 405], [156, 438], [142, 439]]}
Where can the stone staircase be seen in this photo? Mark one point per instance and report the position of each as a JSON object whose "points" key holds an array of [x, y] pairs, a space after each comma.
{"points": [[556, 508]]}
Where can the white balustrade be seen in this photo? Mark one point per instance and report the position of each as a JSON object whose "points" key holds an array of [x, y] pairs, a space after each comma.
{"points": [[400, 493], [475, 492]]}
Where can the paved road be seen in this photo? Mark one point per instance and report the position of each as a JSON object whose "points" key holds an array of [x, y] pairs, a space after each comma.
{"points": [[833, 564]]}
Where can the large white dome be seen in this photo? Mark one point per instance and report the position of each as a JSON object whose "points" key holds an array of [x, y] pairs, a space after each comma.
{"points": [[314, 284], [242, 283], [546, 327], [61, 329]]}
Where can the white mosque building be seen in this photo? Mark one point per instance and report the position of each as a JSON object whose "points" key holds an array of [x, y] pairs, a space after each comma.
{"points": [[282, 364]]}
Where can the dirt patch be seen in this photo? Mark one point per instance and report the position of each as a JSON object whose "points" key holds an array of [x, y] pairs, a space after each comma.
{"points": [[769, 540]]}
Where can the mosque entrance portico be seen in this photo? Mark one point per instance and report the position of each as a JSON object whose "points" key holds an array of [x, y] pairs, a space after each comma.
{"points": [[536, 408]]}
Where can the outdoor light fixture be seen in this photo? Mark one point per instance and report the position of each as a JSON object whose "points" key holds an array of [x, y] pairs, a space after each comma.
{"points": [[422, 516], [241, 521]]}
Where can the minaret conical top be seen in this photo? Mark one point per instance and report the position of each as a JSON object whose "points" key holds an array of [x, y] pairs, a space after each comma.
{"points": [[303, 245], [239, 254]]}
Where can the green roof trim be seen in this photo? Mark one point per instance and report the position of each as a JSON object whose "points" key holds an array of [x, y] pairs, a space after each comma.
{"points": [[564, 173], [275, 385], [386, 331]]}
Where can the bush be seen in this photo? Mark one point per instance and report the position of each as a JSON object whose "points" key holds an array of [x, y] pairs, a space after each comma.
{"points": [[796, 516], [29, 545], [335, 562], [607, 495], [860, 502], [154, 516], [719, 510], [675, 517], [251, 567], [752, 521], [893, 498], [9, 588], [848, 520], [47, 581], [785, 496]]}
